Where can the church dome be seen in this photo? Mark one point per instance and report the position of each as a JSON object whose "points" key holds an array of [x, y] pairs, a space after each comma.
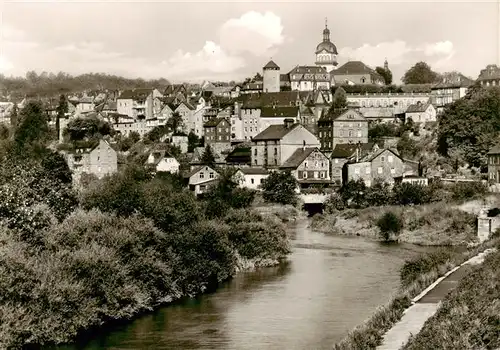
{"points": [[328, 46]]}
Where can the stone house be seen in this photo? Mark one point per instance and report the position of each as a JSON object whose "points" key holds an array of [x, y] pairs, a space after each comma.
{"points": [[273, 146], [217, 130], [99, 160], [347, 152], [308, 164], [162, 161], [309, 78], [186, 111], [421, 113], [201, 178], [385, 165], [250, 178], [343, 127], [490, 76], [494, 165]]}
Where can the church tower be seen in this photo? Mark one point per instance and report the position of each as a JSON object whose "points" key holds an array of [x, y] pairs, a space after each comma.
{"points": [[271, 74], [326, 51]]}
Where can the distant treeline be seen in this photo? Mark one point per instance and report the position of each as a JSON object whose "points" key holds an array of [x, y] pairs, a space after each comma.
{"points": [[50, 84]]}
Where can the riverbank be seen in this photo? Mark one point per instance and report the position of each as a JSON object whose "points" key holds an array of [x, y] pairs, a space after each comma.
{"points": [[95, 268], [370, 334], [438, 224], [469, 316]]}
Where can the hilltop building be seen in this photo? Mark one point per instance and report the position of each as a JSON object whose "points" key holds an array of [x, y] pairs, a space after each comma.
{"points": [[326, 52]]}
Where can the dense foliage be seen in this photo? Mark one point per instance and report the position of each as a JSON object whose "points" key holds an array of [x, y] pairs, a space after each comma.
{"points": [[208, 157], [420, 73], [386, 74], [470, 126], [339, 100], [424, 263], [280, 187], [390, 225], [85, 128], [50, 84]]}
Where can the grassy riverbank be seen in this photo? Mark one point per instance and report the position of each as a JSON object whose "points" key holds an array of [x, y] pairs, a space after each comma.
{"points": [[427, 224], [469, 317], [370, 334]]}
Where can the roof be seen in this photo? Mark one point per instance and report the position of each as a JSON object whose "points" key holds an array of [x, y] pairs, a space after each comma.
{"points": [[417, 107], [268, 99], [254, 171], [274, 132], [492, 71], [371, 157], [495, 150], [355, 67], [453, 80], [198, 168], [252, 86], [214, 122], [240, 155], [347, 150], [298, 157], [288, 111], [137, 94], [271, 65], [330, 115], [308, 70]]}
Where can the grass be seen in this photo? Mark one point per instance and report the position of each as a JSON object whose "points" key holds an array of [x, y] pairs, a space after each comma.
{"points": [[428, 224], [469, 317], [370, 334]]}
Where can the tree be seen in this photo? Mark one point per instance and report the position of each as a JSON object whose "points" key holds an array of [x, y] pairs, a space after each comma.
{"points": [[339, 99], [62, 109], [193, 141], [389, 224], [14, 116], [470, 126], [55, 166], [87, 128], [407, 147], [379, 130], [175, 122], [208, 157], [257, 77], [32, 127], [386, 74], [420, 73], [353, 193], [280, 187], [155, 134]]}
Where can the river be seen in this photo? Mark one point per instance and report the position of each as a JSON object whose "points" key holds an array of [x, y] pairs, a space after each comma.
{"points": [[330, 285]]}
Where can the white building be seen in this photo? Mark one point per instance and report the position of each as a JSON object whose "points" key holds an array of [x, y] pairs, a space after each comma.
{"points": [[163, 162], [421, 113], [250, 178]]}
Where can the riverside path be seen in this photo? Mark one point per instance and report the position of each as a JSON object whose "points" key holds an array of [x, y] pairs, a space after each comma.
{"points": [[426, 304]]}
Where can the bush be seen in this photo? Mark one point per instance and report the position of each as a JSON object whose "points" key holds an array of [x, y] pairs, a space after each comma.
{"points": [[422, 264], [389, 224], [280, 187], [467, 190], [407, 193], [333, 203]]}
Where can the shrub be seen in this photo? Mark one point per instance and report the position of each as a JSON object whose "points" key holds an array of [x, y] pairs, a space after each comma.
{"points": [[467, 190], [422, 264], [406, 194], [333, 203], [280, 187], [389, 224]]}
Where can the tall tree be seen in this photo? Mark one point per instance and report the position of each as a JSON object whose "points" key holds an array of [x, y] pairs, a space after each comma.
{"points": [[14, 115], [339, 99], [175, 122], [32, 127], [386, 74], [420, 73], [208, 157], [62, 109]]}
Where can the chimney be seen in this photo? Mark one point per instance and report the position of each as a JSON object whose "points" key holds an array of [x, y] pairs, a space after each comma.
{"points": [[288, 123], [303, 145]]}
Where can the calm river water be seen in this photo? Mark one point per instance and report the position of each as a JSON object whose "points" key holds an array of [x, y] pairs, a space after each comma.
{"points": [[330, 285]]}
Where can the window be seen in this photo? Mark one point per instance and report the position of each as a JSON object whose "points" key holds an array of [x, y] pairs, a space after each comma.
{"points": [[305, 164], [382, 158], [316, 174], [304, 174], [336, 161], [252, 181], [356, 171], [255, 162], [275, 151], [220, 138], [350, 133], [379, 170], [261, 181], [368, 170], [359, 133], [254, 152], [389, 159], [322, 174], [393, 171], [202, 175], [211, 175]]}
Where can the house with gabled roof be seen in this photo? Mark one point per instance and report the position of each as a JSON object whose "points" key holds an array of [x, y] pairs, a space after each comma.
{"points": [[162, 161], [385, 165], [273, 146], [452, 87], [308, 165], [201, 178], [342, 153], [251, 178], [356, 73], [421, 113], [186, 111], [309, 78], [342, 126], [217, 130], [99, 159]]}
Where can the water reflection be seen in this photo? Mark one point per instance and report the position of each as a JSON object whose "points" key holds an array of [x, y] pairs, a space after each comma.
{"points": [[330, 285]]}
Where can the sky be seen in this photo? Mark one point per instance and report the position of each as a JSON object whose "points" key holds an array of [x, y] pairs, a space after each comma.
{"points": [[202, 40]]}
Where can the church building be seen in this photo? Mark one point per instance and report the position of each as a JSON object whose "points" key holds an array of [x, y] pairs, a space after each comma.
{"points": [[326, 51]]}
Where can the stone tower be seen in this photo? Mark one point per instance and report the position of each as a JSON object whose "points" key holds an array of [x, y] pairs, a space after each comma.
{"points": [[271, 74], [326, 51]]}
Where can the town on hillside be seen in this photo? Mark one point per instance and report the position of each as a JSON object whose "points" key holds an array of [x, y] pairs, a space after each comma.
{"points": [[326, 124]]}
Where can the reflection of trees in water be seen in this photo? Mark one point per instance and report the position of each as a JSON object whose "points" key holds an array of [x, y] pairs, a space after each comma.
{"points": [[188, 324]]}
